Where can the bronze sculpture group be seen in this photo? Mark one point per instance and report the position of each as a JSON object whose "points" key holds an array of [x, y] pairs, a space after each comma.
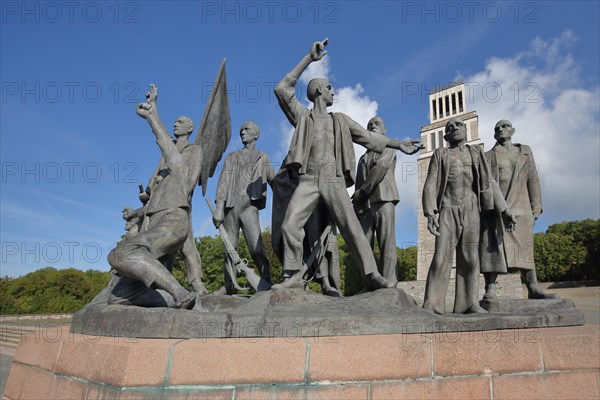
{"points": [[481, 205]]}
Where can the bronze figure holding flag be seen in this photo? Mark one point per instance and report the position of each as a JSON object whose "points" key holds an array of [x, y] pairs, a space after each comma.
{"points": [[144, 261]]}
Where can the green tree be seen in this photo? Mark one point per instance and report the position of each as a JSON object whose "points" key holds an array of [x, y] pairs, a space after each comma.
{"points": [[407, 263], [98, 279], [49, 290], [8, 304], [555, 255], [587, 233], [213, 260], [211, 253]]}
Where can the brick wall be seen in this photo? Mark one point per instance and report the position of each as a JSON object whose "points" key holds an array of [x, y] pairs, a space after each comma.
{"points": [[562, 363]]}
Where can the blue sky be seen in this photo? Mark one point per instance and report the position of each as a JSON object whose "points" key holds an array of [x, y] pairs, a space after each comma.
{"points": [[73, 150]]}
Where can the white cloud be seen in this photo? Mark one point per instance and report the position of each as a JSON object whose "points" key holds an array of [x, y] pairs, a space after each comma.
{"points": [[541, 94], [353, 102], [319, 69]]}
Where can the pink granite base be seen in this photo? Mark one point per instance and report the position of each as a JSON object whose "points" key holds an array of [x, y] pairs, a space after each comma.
{"points": [[529, 363]]}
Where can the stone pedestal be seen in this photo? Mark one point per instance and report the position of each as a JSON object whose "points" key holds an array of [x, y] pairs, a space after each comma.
{"points": [[548, 363], [508, 286], [299, 313]]}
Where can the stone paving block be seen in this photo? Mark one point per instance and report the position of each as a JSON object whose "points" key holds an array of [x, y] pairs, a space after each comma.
{"points": [[583, 330], [347, 391], [38, 385], [445, 388], [466, 353], [141, 394], [65, 388], [15, 381], [563, 352], [192, 394], [238, 361], [271, 393], [372, 357], [100, 392], [115, 361], [41, 349], [578, 385]]}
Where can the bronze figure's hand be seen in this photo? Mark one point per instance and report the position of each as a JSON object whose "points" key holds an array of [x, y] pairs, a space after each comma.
{"points": [[359, 197], [510, 221], [218, 217], [128, 213], [145, 110], [410, 146], [433, 224], [317, 51], [144, 197]]}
